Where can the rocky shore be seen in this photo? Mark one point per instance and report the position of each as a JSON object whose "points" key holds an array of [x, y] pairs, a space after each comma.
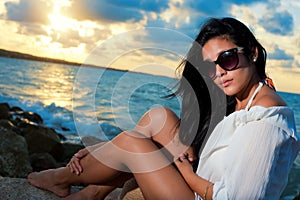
{"points": [[27, 145]]}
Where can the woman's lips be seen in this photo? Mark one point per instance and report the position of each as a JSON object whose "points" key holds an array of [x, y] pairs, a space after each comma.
{"points": [[226, 83]]}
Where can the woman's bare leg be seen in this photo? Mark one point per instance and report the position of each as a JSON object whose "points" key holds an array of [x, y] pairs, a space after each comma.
{"points": [[154, 182], [59, 180], [91, 192], [155, 175], [99, 192]]}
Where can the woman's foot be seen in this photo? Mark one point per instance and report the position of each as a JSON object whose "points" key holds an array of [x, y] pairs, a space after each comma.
{"points": [[91, 192], [48, 180]]}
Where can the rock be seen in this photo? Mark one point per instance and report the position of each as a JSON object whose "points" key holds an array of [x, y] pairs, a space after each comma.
{"points": [[4, 111], [69, 150], [131, 191], [28, 117], [16, 109], [26, 145], [42, 161], [61, 137], [90, 140], [14, 158], [43, 140], [19, 189], [22, 118], [9, 125], [19, 122]]}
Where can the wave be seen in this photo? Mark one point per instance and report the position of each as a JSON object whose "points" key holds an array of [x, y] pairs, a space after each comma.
{"points": [[62, 120]]}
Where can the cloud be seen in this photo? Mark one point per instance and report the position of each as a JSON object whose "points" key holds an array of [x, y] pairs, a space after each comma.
{"points": [[280, 23], [32, 11], [297, 43], [72, 38], [113, 10], [101, 10], [280, 54], [169, 18], [30, 29]]}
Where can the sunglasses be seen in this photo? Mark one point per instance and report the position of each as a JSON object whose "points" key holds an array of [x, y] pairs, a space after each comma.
{"points": [[227, 60]]}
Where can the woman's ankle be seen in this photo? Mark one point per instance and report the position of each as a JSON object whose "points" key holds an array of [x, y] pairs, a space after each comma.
{"points": [[62, 176]]}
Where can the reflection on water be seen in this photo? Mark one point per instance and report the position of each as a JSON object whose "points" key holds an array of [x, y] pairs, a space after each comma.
{"points": [[118, 97], [54, 83], [46, 82]]}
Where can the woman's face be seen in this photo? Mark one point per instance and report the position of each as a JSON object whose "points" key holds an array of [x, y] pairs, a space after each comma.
{"points": [[232, 82]]}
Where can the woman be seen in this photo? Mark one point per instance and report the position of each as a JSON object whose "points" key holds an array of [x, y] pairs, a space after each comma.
{"points": [[247, 155], [250, 152]]}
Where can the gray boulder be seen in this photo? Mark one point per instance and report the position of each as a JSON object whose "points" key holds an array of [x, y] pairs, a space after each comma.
{"points": [[43, 140], [14, 157], [4, 111], [42, 161], [19, 189]]}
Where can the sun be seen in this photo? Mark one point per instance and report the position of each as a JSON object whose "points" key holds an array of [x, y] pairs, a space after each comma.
{"points": [[59, 22]]}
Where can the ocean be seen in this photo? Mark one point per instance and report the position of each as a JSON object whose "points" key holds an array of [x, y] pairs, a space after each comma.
{"points": [[82, 101]]}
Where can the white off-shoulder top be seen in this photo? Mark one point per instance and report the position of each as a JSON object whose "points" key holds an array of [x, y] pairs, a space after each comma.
{"points": [[249, 154]]}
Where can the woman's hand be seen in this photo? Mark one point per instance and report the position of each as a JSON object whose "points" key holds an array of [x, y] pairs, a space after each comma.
{"points": [[184, 165], [74, 163], [190, 154]]}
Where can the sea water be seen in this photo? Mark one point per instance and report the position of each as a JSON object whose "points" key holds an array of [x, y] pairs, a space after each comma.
{"points": [[57, 91], [80, 101]]}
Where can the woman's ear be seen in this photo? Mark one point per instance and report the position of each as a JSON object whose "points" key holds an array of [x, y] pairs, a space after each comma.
{"points": [[254, 54]]}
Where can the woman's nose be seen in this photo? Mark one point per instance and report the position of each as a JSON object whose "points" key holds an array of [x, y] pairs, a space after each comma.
{"points": [[220, 71]]}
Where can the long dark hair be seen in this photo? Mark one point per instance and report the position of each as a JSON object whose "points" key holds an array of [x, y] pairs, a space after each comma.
{"points": [[239, 34], [203, 103]]}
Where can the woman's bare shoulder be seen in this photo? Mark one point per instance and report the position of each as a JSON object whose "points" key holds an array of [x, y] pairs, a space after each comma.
{"points": [[269, 98]]}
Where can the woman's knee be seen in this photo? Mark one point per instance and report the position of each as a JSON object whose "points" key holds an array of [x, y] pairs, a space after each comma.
{"points": [[134, 141], [157, 120]]}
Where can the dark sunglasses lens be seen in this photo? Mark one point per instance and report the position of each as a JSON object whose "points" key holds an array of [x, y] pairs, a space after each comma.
{"points": [[228, 60]]}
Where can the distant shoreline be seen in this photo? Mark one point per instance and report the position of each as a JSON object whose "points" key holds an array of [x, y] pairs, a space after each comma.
{"points": [[18, 55], [24, 56]]}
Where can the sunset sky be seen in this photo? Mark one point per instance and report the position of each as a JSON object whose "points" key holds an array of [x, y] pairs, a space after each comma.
{"points": [[147, 35]]}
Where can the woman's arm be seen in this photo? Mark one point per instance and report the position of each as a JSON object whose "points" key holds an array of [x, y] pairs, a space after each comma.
{"points": [[256, 163], [199, 185], [74, 163]]}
